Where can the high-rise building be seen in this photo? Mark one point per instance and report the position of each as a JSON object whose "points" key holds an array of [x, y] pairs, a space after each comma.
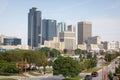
{"points": [[71, 28], [61, 27], [84, 31], [34, 28], [49, 29]]}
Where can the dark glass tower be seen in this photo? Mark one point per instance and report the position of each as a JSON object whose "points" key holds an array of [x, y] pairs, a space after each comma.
{"points": [[49, 29], [34, 28]]}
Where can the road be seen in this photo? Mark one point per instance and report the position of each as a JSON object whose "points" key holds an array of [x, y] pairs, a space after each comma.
{"points": [[45, 77]]}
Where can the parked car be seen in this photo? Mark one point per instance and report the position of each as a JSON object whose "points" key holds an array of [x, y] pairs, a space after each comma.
{"points": [[88, 77], [94, 74]]}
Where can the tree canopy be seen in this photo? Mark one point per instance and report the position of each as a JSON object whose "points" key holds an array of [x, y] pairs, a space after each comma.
{"points": [[66, 66]]}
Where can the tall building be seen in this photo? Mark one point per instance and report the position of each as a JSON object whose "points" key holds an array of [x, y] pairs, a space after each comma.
{"points": [[84, 31], [49, 29], [61, 27], [34, 28], [69, 28]]}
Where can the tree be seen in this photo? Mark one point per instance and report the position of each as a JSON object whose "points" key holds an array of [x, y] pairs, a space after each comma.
{"points": [[110, 76], [89, 56], [42, 61], [84, 51], [1, 57], [65, 51], [117, 70], [45, 50], [50, 63], [77, 51], [7, 68], [66, 66], [54, 53]]}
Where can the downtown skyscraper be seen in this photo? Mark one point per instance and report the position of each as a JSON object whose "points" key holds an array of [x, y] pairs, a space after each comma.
{"points": [[34, 28], [84, 31], [49, 29], [61, 27]]}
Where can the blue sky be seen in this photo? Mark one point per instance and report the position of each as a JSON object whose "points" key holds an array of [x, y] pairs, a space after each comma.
{"points": [[104, 15]]}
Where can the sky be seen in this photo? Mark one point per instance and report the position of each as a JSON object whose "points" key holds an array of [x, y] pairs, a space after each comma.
{"points": [[104, 15]]}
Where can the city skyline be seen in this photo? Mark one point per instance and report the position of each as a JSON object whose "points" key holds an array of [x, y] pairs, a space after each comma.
{"points": [[104, 15]]}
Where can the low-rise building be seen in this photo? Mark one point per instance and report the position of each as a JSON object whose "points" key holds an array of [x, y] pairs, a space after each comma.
{"points": [[82, 46], [111, 45]]}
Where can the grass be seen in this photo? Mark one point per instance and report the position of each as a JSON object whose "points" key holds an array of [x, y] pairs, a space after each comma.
{"points": [[17, 74], [8, 79], [74, 78], [34, 74], [93, 70], [49, 70]]}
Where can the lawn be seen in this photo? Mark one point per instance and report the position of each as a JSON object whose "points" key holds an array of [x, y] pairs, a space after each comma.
{"points": [[8, 79], [92, 70], [49, 70], [34, 74], [74, 78]]}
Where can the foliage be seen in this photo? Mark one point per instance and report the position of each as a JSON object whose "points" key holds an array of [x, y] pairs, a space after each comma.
{"points": [[87, 64], [37, 58], [54, 53], [110, 76], [50, 63], [66, 66], [7, 79], [65, 51], [84, 51], [7, 68], [89, 56], [77, 51], [117, 70], [110, 57], [74, 78], [45, 50]]}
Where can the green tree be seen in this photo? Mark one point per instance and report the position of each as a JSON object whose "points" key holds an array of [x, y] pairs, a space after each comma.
{"points": [[54, 53], [50, 63], [77, 51], [117, 70], [1, 57], [84, 51], [7, 68], [65, 51], [66, 66], [45, 50], [110, 76], [89, 56], [110, 57], [42, 61]]}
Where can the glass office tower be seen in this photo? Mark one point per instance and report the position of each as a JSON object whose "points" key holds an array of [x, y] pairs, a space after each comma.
{"points": [[34, 28]]}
